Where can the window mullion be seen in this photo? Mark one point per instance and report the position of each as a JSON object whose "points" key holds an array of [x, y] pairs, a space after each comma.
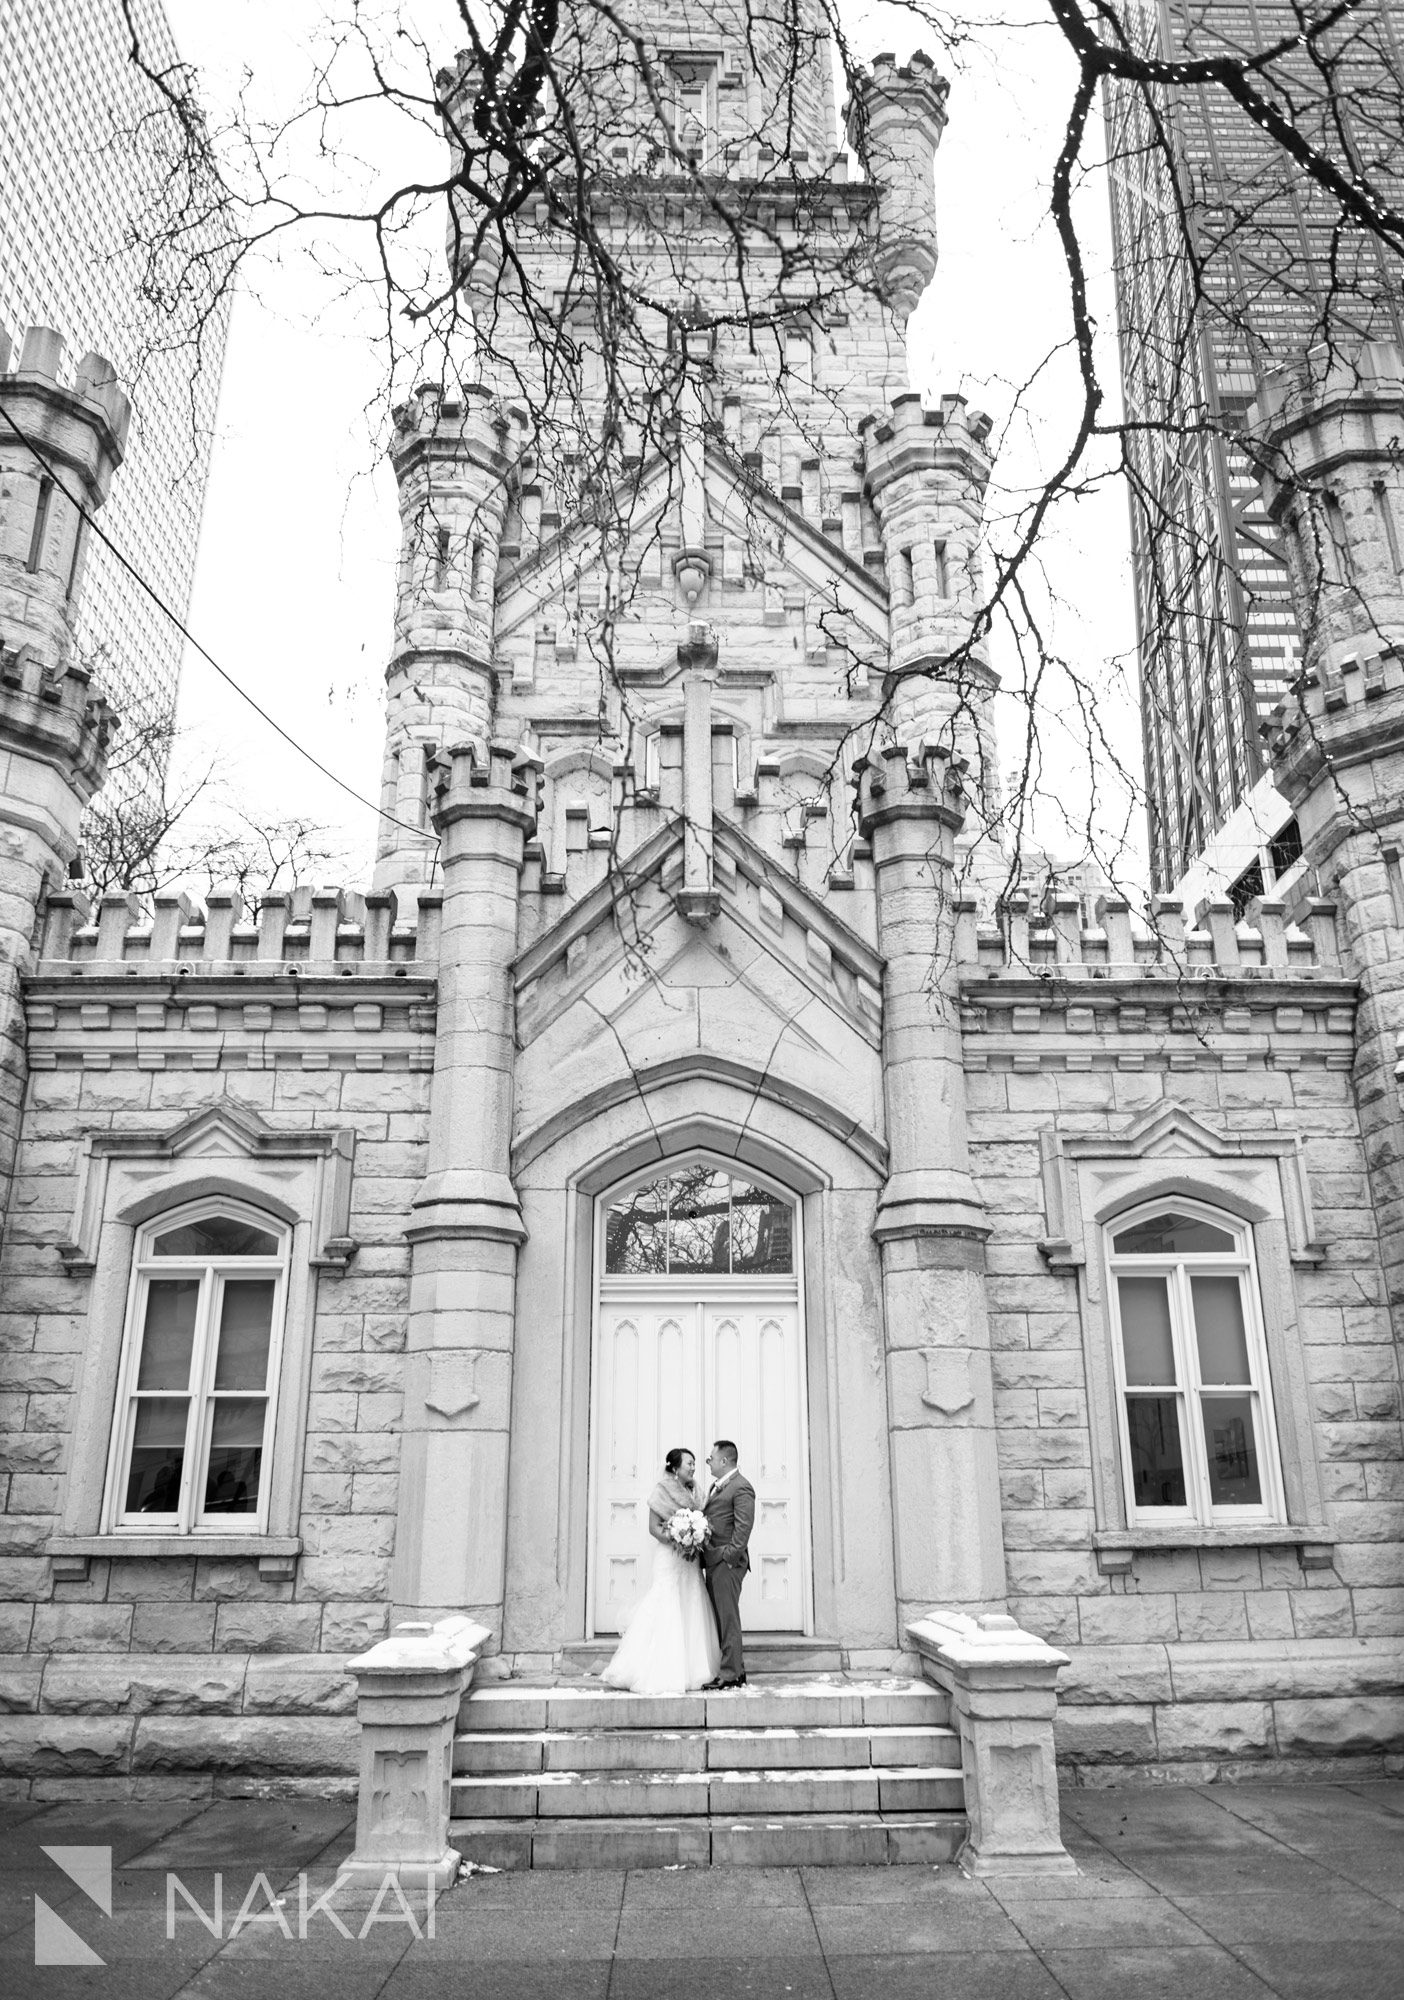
{"points": [[1187, 1366], [202, 1374]]}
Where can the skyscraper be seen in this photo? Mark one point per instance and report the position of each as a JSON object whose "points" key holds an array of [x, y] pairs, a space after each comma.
{"points": [[1229, 258], [78, 166]]}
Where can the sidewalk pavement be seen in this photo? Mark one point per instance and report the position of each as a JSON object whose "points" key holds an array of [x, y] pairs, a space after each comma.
{"points": [[1220, 1893]]}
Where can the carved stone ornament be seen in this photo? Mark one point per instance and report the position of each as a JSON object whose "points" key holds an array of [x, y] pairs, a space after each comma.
{"points": [[1167, 1152], [240, 1153], [453, 1385], [948, 1386]]}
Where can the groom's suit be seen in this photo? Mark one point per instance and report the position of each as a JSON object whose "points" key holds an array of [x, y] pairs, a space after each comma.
{"points": [[730, 1508]]}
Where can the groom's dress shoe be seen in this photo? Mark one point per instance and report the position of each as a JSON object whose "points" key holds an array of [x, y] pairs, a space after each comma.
{"points": [[723, 1687]]}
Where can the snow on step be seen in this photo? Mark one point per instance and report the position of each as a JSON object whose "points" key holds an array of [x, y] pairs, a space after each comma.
{"points": [[798, 1840], [501, 1751], [791, 1704], [613, 1794]]}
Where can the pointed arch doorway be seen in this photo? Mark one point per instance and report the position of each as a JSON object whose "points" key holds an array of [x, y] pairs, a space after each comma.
{"points": [[699, 1334]]}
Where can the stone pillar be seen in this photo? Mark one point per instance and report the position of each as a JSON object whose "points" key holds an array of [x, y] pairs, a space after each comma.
{"points": [[454, 458], [408, 1692], [450, 1546], [1329, 430], [1002, 1685], [53, 730], [931, 1222]]}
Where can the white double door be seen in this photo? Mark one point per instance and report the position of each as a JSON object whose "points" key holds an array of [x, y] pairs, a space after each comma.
{"points": [[684, 1363]]}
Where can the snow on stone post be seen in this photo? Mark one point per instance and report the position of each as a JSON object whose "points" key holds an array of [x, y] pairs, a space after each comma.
{"points": [[1002, 1683], [408, 1691]]}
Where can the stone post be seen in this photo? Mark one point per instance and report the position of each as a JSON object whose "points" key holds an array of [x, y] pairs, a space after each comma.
{"points": [[408, 1692], [1328, 429], [1001, 1682], [53, 730], [454, 458], [931, 1221], [450, 1547]]}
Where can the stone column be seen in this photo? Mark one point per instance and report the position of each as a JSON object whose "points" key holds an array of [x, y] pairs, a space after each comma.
{"points": [[1002, 1684], [54, 730], [1334, 482], [931, 1222], [450, 1549]]}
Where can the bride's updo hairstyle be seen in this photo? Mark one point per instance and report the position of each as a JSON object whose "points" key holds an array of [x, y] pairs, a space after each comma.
{"points": [[673, 1462]]}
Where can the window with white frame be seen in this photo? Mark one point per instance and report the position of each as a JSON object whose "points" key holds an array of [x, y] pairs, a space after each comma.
{"points": [[1198, 1437], [196, 1393]]}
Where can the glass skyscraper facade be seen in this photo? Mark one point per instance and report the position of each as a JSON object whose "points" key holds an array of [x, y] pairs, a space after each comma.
{"points": [[80, 155], [1229, 259]]}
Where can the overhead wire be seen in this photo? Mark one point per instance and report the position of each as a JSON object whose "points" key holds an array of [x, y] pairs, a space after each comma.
{"points": [[91, 519]]}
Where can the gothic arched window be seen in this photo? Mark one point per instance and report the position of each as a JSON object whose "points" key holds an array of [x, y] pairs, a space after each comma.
{"points": [[1198, 1437], [196, 1393], [699, 1218]]}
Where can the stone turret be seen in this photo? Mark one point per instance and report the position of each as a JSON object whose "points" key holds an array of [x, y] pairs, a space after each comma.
{"points": [[59, 447], [1328, 430], [925, 472], [895, 121], [453, 458]]}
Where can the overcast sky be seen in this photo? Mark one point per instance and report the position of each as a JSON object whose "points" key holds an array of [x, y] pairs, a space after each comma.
{"points": [[293, 591]]}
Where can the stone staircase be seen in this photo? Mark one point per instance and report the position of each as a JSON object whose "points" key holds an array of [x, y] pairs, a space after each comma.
{"points": [[791, 1769]]}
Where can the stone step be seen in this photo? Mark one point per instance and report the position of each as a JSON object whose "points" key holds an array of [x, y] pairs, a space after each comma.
{"points": [[480, 1753], [813, 1840], [777, 1653], [674, 1794], [789, 1704]]}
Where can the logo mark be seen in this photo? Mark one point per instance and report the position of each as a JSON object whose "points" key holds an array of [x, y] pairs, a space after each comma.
{"points": [[55, 1942]]}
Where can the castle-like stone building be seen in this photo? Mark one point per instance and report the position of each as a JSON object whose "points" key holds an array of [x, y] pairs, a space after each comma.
{"points": [[675, 1078]]}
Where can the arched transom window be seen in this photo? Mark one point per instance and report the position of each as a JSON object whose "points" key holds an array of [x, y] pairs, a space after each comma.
{"points": [[1198, 1438], [199, 1369], [700, 1218]]}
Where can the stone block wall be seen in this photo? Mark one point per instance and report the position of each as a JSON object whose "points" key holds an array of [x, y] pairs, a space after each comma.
{"points": [[135, 1033], [1208, 1051]]}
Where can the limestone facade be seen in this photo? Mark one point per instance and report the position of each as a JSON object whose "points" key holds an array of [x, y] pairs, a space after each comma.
{"points": [[703, 915]]}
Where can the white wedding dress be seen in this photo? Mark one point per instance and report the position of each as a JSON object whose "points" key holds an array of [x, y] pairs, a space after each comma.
{"points": [[670, 1643]]}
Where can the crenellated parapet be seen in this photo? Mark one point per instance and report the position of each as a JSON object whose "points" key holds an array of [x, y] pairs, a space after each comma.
{"points": [[500, 782], [301, 933], [920, 781], [1048, 938], [895, 121], [455, 456]]}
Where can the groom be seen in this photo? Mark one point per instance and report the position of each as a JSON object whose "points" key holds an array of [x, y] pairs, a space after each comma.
{"points": [[730, 1508]]}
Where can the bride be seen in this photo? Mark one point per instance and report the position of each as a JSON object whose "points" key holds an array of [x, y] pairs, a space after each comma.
{"points": [[670, 1643]]}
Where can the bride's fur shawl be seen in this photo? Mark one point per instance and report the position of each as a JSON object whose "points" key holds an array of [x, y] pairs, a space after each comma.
{"points": [[669, 1494]]}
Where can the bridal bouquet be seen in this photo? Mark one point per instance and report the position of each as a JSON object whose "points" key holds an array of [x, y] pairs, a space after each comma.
{"points": [[689, 1531]]}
